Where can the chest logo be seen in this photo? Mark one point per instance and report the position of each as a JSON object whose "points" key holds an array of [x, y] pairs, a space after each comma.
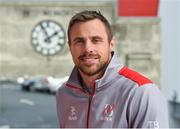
{"points": [[72, 115], [108, 112]]}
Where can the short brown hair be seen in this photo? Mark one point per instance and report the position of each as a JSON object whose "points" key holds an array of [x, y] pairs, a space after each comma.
{"points": [[87, 15]]}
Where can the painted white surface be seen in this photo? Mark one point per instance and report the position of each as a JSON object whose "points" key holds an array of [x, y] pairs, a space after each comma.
{"points": [[169, 12]]}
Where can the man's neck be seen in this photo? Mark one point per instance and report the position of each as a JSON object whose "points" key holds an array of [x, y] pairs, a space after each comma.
{"points": [[90, 80]]}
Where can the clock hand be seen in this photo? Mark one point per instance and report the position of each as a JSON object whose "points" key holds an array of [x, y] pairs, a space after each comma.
{"points": [[44, 30], [49, 37]]}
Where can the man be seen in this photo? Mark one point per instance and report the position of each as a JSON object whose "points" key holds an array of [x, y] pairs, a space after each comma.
{"points": [[101, 92]]}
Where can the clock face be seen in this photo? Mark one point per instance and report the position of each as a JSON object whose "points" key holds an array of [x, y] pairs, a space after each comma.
{"points": [[48, 37]]}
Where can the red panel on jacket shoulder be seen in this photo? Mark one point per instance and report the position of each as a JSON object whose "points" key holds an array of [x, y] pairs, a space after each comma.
{"points": [[135, 76]]}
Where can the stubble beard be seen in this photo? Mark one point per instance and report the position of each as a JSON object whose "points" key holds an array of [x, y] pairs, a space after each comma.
{"points": [[94, 69], [97, 68]]}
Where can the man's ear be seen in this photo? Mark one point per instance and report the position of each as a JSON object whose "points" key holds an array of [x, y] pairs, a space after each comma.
{"points": [[112, 43], [68, 43]]}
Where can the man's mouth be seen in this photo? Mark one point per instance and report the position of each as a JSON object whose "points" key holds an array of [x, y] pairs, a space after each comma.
{"points": [[89, 56], [89, 59]]}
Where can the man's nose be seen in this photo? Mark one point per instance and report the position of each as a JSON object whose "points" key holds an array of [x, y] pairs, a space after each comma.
{"points": [[89, 46]]}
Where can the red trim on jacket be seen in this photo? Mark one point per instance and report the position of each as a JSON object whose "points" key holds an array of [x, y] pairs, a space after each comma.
{"points": [[89, 106], [90, 101], [74, 87], [135, 76]]}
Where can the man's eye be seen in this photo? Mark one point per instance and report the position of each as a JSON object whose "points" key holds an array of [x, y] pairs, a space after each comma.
{"points": [[96, 40], [80, 41]]}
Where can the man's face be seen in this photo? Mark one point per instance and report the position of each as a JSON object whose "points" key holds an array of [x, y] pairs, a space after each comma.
{"points": [[89, 46]]}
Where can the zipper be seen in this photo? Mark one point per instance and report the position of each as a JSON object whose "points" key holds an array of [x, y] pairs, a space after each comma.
{"points": [[89, 101], [89, 106]]}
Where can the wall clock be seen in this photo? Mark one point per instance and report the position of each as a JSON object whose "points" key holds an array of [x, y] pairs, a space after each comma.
{"points": [[48, 37]]}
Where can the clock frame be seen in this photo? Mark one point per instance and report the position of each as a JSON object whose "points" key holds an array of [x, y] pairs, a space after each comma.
{"points": [[48, 37]]}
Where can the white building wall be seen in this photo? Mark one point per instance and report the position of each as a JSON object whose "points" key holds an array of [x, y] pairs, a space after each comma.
{"points": [[169, 12], [170, 48]]}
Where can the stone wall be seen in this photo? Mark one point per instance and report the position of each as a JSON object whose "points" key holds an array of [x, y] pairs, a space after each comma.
{"points": [[138, 39], [138, 45], [17, 56]]}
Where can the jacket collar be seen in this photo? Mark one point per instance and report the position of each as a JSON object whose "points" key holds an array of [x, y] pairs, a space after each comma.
{"points": [[111, 71]]}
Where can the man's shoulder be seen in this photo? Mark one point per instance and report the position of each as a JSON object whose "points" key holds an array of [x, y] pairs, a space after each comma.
{"points": [[131, 75], [61, 88]]}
